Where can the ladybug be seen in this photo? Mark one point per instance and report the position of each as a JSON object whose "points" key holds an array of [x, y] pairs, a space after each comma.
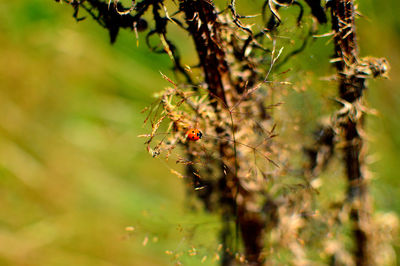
{"points": [[194, 134]]}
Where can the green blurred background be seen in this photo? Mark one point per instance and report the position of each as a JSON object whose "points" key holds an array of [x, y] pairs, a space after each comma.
{"points": [[74, 174]]}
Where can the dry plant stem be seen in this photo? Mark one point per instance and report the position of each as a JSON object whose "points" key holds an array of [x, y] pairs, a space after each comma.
{"points": [[351, 121], [201, 17]]}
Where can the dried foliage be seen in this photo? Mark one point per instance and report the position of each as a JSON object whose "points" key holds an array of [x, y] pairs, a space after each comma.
{"points": [[240, 170]]}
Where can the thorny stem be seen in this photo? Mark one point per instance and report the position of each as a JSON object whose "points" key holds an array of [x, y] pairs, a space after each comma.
{"points": [[205, 29], [202, 23], [201, 18], [351, 89]]}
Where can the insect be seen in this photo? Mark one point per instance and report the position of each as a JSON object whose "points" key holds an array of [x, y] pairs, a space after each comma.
{"points": [[194, 134]]}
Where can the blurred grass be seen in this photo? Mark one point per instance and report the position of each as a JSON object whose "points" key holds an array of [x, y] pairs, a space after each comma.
{"points": [[380, 36], [73, 173]]}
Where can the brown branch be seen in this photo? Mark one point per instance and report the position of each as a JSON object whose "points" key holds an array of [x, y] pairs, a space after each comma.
{"points": [[205, 29], [110, 17], [352, 73], [201, 18]]}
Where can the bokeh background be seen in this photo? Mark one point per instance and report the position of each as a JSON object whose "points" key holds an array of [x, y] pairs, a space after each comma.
{"points": [[77, 186]]}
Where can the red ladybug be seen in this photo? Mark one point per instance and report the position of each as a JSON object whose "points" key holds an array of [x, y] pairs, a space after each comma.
{"points": [[194, 134]]}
